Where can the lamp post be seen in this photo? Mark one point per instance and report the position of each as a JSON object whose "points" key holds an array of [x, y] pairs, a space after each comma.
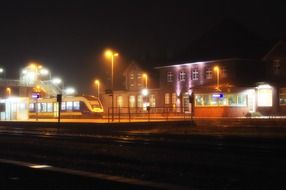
{"points": [[145, 76], [216, 68], [2, 72], [110, 54], [97, 83], [8, 90]]}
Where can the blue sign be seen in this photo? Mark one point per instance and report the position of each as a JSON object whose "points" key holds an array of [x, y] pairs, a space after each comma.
{"points": [[220, 95], [35, 95]]}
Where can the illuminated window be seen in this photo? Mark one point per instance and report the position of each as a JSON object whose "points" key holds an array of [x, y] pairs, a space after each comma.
{"points": [[139, 101], [44, 107], [139, 76], [174, 98], [132, 101], [264, 97], [69, 106], [119, 101], [131, 76], [170, 77], [49, 107], [63, 106], [195, 74], [234, 100], [152, 100], [31, 107], [182, 76], [76, 106], [282, 96], [209, 73], [167, 98]]}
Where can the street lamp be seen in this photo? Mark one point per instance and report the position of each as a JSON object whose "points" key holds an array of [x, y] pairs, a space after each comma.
{"points": [[145, 76], [96, 82], [8, 90], [216, 69], [2, 72], [110, 54]]}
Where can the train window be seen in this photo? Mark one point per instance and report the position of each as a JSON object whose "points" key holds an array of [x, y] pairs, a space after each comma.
{"points": [[63, 106], [95, 104], [69, 106], [38, 109], [76, 106], [32, 107], [44, 107], [49, 107]]}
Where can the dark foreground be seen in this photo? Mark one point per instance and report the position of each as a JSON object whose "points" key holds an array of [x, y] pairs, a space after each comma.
{"points": [[204, 160]]}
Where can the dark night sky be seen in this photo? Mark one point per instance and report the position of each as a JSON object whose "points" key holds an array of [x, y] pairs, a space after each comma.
{"points": [[69, 37]]}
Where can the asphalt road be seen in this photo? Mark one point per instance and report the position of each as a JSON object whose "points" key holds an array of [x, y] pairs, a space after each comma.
{"points": [[157, 161]]}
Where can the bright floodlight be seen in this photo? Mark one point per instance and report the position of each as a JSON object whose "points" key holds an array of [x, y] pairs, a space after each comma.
{"points": [[69, 91], [44, 71], [145, 92], [56, 81], [1, 70]]}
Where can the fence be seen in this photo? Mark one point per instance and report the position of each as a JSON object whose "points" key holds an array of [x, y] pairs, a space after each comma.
{"points": [[128, 114]]}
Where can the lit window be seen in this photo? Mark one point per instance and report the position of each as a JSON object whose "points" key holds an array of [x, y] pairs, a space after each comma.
{"points": [[69, 106], [44, 107], [170, 77], [31, 107], [152, 100], [167, 98], [209, 73], [139, 101], [264, 97], [233, 100], [174, 98], [63, 106], [182, 76], [131, 76], [119, 101], [282, 96], [132, 101], [49, 107], [76, 105], [195, 74], [139, 76]]}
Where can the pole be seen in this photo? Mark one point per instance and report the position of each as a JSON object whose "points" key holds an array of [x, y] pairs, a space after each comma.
{"points": [[37, 109], [112, 94], [218, 78], [59, 113]]}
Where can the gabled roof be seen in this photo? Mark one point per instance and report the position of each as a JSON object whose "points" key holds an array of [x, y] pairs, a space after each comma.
{"points": [[200, 62], [228, 38], [278, 51]]}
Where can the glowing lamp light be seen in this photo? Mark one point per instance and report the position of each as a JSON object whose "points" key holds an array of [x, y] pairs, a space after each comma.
{"points": [[56, 81], [145, 92], [70, 91], [1, 70], [44, 71]]}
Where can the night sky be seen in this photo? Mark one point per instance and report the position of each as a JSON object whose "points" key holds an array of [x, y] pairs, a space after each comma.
{"points": [[70, 37]]}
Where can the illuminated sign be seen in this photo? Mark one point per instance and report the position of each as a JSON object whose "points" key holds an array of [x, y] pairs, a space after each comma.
{"points": [[220, 95], [35, 95]]}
